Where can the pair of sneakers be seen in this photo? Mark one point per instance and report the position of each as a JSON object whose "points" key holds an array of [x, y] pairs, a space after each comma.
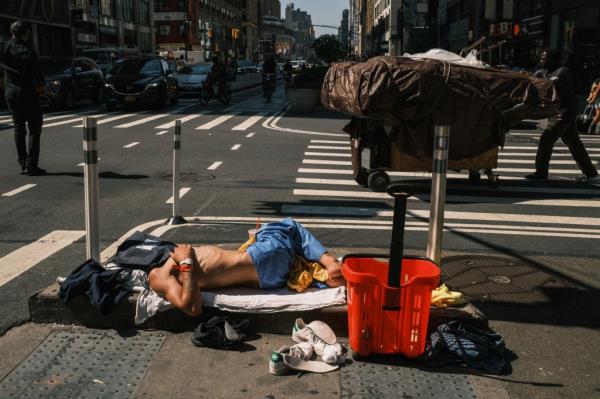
{"points": [[315, 337]]}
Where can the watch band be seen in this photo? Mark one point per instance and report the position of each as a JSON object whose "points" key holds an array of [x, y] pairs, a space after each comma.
{"points": [[187, 261]]}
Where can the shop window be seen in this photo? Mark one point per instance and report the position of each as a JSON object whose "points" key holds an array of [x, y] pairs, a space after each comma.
{"points": [[108, 7], [144, 12], [164, 29]]}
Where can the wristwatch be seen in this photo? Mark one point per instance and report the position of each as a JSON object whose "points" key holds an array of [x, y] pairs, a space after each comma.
{"points": [[187, 261]]}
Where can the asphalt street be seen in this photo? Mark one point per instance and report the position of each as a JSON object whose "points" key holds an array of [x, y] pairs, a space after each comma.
{"points": [[252, 162]]}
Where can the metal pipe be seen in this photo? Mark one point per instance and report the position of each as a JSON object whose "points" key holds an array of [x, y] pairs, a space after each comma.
{"points": [[438, 193], [175, 218], [90, 177]]}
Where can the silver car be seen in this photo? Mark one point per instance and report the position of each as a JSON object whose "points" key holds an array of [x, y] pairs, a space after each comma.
{"points": [[190, 79]]}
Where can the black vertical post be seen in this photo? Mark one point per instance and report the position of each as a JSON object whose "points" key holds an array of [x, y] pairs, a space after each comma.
{"points": [[397, 244]]}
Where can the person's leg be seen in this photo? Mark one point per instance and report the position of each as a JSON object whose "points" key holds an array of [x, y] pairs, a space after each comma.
{"points": [[19, 125], [572, 140], [34, 121], [549, 136]]}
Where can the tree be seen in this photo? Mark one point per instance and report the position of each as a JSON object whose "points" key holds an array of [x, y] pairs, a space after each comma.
{"points": [[328, 48]]}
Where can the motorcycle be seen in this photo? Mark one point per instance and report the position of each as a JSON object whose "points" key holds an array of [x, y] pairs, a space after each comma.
{"points": [[211, 89], [268, 86]]}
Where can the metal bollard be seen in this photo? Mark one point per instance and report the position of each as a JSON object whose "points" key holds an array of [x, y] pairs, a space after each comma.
{"points": [[176, 218], [438, 193], [90, 176]]}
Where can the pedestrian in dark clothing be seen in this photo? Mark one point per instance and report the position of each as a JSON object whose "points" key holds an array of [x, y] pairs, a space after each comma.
{"points": [[563, 125], [24, 84]]}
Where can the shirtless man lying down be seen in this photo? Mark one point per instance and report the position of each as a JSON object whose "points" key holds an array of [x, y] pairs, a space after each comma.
{"points": [[265, 265]]}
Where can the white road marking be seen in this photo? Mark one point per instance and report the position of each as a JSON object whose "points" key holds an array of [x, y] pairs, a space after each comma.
{"points": [[18, 190], [532, 154], [114, 118], [24, 258], [325, 162], [326, 154], [216, 122], [534, 148], [141, 121], [398, 174], [185, 119], [537, 135], [161, 133], [326, 171], [532, 169], [457, 198], [182, 191], [341, 182], [73, 120], [331, 141], [528, 161], [51, 118], [448, 215], [248, 123], [83, 164], [250, 135], [236, 147], [327, 147], [131, 144], [215, 165]]}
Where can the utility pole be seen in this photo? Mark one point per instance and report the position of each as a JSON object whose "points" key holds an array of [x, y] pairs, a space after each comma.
{"points": [[401, 27]]}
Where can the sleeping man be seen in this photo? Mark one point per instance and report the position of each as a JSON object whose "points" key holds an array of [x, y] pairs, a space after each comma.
{"points": [[265, 264]]}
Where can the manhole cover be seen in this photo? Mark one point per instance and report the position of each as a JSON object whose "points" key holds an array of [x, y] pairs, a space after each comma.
{"points": [[83, 365], [504, 280], [191, 177]]}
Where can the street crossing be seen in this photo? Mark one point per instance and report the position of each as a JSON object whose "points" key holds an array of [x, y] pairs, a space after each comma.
{"points": [[545, 209]]}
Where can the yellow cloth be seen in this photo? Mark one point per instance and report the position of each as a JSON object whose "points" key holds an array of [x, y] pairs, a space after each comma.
{"points": [[442, 297], [302, 272]]}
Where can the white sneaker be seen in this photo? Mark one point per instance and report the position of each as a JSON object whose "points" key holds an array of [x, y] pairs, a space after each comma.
{"points": [[321, 337], [301, 351]]}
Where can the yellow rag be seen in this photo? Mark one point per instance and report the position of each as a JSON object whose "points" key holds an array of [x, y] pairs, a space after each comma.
{"points": [[303, 272], [442, 297]]}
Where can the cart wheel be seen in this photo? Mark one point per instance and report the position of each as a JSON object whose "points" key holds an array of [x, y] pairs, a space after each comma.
{"points": [[378, 181], [357, 357], [362, 177], [474, 175]]}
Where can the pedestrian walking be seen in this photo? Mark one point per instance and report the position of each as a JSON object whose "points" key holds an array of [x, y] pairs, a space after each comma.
{"points": [[563, 125], [24, 84]]}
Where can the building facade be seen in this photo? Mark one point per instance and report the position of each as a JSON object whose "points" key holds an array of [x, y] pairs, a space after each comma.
{"points": [[344, 29], [49, 22], [269, 8], [299, 23], [113, 23], [249, 40]]}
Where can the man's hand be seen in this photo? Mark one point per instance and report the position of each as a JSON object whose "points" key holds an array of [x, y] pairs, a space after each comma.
{"points": [[182, 252]]}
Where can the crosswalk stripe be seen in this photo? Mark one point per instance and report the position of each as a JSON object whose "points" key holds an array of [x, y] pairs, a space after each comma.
{"points": [[73, 120], [532, 169], [532, 154], [331, 141], [328, 147], [141, 121], [325, 162], [24, 258], [448, 215], [250, 135], [529, 161], [162, 132], [236, 147], [397, 174], [113, 118], [131, 144], [533, 149], [537, 135], [46, 118], [326, 171], [457, 198], [326, 154], [185, 119], [182, 191], [215, 165], [248, 123], [18, 190], [216, 122], [474, 188]]}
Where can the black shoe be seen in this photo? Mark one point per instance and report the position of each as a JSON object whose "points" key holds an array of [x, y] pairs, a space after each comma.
{"points": [[35, 171], [23, 170], [537, 176]]}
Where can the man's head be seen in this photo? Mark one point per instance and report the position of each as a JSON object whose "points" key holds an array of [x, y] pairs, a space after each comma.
{"points": [[549, 59], [20, 30]]}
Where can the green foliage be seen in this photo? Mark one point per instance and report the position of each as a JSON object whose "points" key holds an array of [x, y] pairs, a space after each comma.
{"points": [[310, 78], [328, 48]]}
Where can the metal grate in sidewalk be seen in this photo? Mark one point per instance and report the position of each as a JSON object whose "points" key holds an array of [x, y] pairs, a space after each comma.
{"points": [[83, 365]]}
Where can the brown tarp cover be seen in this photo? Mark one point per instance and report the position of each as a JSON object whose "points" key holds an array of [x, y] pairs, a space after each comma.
{"points": [[412, 96]]}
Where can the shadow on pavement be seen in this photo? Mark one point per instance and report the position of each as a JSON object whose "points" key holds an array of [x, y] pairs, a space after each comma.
{"points": [[102, 175]]}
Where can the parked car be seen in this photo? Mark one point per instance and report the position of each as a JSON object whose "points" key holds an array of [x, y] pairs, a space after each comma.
{"points": [[69, 80], [247, 66], [297, 64], [105, 57], [140, 81], [191, 78]]}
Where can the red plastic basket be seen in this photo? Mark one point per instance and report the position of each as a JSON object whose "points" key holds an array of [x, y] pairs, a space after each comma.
{"points": [[384, 319]]}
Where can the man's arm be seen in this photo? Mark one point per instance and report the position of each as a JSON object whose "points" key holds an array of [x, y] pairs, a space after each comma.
{"points": [[183, 293]]}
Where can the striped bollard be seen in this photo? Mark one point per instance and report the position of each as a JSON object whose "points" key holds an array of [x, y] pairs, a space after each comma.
{"points": [[90, 176], [438, 193], [176, 218]]}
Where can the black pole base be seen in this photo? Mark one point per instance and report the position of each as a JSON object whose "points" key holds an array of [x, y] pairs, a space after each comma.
{"points": [[176, 220]]}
